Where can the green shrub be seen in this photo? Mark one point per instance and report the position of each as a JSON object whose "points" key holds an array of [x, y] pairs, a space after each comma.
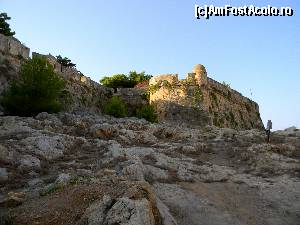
{"points": [[53, 188], [115, 107], [117, 81], [215, 98], [146, 95], [147, 112], [37, 90], [138, 77], [226, 85], [125, 81]]}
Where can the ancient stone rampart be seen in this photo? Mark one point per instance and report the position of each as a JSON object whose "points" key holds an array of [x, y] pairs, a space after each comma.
{"points": [[205, 100], [196, 100], [12, 46], [12, 55], [81, 93], [178, 101], [229, 108]]}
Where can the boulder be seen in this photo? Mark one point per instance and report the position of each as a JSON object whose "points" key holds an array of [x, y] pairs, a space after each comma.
{"points": [[6, 156], [3, 175], [127, 211], [28, 162], [134, 171], [152, 173], [63, 178], [49, 147], [95, 213], [104, 130]]}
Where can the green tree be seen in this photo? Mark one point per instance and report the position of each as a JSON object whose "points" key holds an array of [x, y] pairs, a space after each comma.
{"points": [[37, 89], [66, 62], [148, 113], [138, 77], [117, 81], [115, 107], [125, 81], [4, 26]]}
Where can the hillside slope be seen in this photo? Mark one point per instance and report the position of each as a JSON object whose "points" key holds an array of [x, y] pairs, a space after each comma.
{"points": [[89, 169]]}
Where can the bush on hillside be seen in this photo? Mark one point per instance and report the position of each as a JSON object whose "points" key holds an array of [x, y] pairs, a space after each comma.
{"points": [[37, 89], [138, 77], [148, 113], [117, 81], [115, 107], [125, 81]]}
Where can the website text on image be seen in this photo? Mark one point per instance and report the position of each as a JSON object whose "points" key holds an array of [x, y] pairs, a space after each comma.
{"points": [[206, 11]]}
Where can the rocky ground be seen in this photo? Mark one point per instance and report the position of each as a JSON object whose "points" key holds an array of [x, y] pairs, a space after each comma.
{"points": [[92, 170]]}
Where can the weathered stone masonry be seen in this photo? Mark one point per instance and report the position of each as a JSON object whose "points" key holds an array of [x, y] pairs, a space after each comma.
{"points": [[196, 100], [12, 55], [80, 93], [200, 100]]}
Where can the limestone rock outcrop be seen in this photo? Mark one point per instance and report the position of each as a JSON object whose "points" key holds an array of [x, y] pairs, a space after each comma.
{"points": [[143, 173]]}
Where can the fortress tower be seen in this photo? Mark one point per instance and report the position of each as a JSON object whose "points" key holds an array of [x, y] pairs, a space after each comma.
{"points": [[200, 74], [200, 100]]}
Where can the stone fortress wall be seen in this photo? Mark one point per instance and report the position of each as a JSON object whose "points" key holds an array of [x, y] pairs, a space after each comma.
{"points": [[85, 94], [196, 100], [204, 100], [12, 54], [12, 46], [81, 93]]}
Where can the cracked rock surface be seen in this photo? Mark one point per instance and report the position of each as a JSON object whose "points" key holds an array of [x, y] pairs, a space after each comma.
{"points": [[89, 169]]}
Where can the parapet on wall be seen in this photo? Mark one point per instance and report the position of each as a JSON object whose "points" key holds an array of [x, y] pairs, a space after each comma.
{"points": [[13, 47]]}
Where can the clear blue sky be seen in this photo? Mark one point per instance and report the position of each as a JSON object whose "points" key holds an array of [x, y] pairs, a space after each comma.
{"points": [[254, 54]]}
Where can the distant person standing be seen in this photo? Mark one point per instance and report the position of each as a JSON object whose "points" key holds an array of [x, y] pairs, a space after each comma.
{"points": [[268, 130]]}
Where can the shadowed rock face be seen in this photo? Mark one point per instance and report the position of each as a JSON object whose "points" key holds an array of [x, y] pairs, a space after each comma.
{"points": [[177, 114], [90, 169]]}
